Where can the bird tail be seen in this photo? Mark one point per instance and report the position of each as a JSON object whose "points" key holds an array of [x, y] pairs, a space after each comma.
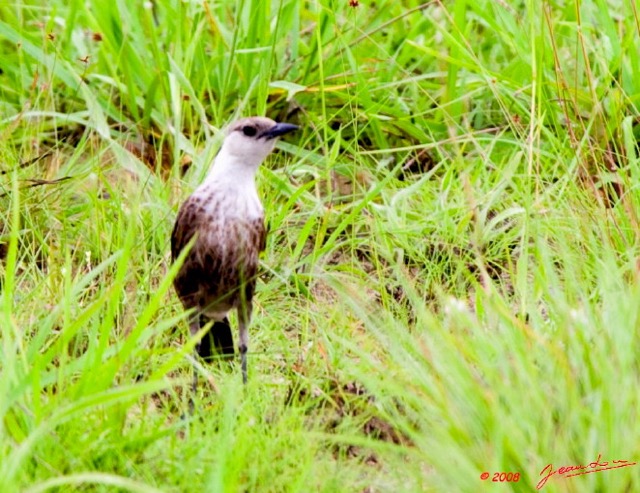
{"points": [[218, 340]]}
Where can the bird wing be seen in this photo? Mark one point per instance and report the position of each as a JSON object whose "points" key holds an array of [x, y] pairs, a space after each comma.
{"points": [[184, 228], [263, 231]]}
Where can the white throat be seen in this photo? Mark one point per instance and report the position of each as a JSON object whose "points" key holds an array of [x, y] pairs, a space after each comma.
{"points": [[234, 178], [232, 171]]}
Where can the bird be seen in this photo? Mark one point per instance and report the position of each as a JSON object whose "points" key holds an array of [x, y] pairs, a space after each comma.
{"points": [[223, 223]]}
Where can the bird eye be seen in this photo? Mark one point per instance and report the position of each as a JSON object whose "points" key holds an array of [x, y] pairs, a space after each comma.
{"points": [[249, 131]]}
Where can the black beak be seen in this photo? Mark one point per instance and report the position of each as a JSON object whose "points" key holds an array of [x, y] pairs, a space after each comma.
{"points": [[278, 129]]}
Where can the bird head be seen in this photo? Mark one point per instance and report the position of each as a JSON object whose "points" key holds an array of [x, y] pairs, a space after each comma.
{"points": [[251, 140]]}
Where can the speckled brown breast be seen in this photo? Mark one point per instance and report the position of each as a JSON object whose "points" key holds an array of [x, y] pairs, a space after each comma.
{"points": [[223, 261]]}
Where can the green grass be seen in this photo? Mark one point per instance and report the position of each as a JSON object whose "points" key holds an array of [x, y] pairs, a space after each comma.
{"points": [[452, 279]]}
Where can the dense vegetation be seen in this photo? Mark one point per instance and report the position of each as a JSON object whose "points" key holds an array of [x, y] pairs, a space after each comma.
{"points": [[452, 280]]}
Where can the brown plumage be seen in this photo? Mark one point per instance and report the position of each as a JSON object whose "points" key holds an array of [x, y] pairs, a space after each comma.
{"points": [[224, 256], [225, 216]]}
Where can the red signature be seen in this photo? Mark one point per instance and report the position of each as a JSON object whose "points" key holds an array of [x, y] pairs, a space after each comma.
{"points": [[595, 466]]}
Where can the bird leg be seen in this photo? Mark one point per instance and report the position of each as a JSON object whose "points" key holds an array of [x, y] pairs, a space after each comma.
{"points": [[194, 326], [244, 317]]}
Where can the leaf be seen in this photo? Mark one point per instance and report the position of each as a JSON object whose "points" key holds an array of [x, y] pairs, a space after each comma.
{"points": [[291, 87]]}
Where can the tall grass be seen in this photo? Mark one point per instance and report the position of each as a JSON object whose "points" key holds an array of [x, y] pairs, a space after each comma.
{"points": [[451, 280]]}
